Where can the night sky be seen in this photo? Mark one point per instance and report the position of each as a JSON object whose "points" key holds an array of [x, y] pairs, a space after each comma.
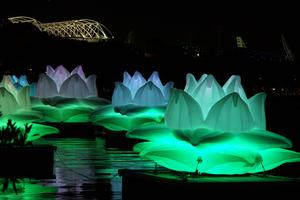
{"points": [[260, 23]]}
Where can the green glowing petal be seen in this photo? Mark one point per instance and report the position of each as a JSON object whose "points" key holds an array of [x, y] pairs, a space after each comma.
{"points": [[94, 102], [149, 95], [197, 136], [67, 114], [22, 116], [178, 156], [255, 139], [227, 159], [183, 112], [158, 132], [275, 157], [107, 117], [208, 93], [8, 103], [257, 108], [230, 114], [39, 130]]}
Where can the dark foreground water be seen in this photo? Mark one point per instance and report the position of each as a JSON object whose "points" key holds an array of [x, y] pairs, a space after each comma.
{"points": [[83, 169]]}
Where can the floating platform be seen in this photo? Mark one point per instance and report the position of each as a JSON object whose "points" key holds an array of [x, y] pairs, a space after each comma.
{"points": [[143, 184]]}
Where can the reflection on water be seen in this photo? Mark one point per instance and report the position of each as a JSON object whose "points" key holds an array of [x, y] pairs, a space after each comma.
{"points": [[84, 169]]}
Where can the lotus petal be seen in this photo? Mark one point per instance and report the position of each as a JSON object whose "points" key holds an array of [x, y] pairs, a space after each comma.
{"points": [[153, 133], [183, 112], [230, 114], [126, 78], [255, 139], [38, 130], [50, 71], [121, 95], [8, 103], [136, 81], [60, 75], [107, 117], [149, 95], [257, 109], [155, 79], [167, 90], [234, 85], [207, 94], [9, 86], [227, 159], [92, 86], [196, 136], [192, 84], [74, 86], [274, 157], [24, 98], [46, 87], [178, 156], [78, 70]]}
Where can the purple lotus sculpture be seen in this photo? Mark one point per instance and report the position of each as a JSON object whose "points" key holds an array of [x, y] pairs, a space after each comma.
{"points": [[60, 82]]}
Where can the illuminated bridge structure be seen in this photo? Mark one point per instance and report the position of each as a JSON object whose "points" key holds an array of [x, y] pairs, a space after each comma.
{"points": [[82, 29]]}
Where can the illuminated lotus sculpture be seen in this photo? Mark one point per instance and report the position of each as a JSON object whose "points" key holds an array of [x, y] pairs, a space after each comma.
{"points": [[66, 97], [16, 105], [12, 100], [136, 90], [135, 101], [60, 82], [216, 130]]}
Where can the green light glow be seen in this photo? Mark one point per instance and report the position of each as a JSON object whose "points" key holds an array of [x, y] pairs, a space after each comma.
{"points": [[132, 118], [216, 130], [61, 109]]}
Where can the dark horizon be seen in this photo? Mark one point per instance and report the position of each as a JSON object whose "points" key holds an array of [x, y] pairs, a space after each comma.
{"points": [[259, 23]]}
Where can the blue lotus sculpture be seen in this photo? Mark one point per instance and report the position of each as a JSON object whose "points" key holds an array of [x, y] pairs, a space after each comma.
{"points": [[135, 101]]}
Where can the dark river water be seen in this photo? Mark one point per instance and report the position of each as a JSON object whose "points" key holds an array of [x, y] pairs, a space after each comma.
{"points": [[83, 169]]}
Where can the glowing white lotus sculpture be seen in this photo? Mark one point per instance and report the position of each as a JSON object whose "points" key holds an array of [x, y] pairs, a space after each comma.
{"points": [[216, 130], [60, 82], [136, 90], [135, 102]]}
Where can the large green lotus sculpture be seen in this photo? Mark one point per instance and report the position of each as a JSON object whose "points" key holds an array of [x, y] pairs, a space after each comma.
{"points": [[135, 102], [16, 106], [215, 130]]}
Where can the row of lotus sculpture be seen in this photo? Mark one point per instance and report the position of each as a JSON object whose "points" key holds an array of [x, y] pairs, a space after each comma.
{"points": [[204, 128]]}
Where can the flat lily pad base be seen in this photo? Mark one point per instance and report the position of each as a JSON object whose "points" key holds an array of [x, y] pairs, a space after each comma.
{"points": [[142, 184]]}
